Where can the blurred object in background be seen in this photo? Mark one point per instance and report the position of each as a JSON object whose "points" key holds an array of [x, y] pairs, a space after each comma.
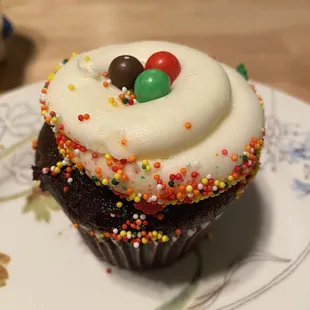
{"points": [[7, 28], [6, 31], [16, 49]]}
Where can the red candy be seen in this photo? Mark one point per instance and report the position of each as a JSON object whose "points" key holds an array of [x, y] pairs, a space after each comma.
{"points": [[166, 62]]}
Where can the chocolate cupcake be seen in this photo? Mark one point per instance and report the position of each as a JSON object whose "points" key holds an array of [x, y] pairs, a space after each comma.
{"points": [[142, 172]]}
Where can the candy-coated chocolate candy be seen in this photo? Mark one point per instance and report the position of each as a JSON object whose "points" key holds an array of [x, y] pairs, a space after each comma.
{"points": [[166, 62], [151, 84], [124, 70]]}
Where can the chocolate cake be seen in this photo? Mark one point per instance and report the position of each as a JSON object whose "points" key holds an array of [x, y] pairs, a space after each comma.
{"points": [[136, 212]]}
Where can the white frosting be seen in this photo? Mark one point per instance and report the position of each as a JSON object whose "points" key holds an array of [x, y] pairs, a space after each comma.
{"points": [[220, 105]]}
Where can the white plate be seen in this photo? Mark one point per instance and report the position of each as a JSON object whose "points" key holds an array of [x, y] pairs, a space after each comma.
{"points": [[258, 257]]}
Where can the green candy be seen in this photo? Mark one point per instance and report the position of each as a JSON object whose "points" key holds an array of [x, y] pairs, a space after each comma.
{"points": [[151, 84], [243, 71]]}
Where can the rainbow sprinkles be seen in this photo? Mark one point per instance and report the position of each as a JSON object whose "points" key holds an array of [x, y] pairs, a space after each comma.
{"points": [[193, 157]]}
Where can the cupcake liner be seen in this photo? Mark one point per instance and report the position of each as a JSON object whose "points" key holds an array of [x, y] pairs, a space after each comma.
{"points": [[151, 255]]}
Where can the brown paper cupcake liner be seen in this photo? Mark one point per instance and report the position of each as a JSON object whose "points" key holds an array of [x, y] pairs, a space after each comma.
{"points": [[151, 255]]}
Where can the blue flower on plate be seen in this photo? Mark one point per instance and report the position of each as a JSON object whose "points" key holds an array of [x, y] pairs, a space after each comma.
{"points": [[299, 150], [302, 187]]}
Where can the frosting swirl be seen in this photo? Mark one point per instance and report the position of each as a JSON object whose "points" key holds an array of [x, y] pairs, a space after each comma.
{"points": [[210, 108]]}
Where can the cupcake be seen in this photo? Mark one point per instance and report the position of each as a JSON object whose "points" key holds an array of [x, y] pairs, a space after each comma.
{"points": [[144, 145]]}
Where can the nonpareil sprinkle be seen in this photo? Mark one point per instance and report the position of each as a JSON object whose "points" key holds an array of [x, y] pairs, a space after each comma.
{"points": [[119, 204], [188, 125], [71, 87]]}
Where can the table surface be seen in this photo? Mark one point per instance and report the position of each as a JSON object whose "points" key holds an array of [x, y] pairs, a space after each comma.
{"points": [[270, 36]]}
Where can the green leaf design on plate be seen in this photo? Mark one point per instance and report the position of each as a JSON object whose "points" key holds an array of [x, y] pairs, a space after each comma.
{"points": [[4, 259], [41, 204], [38, 202], [7, 152], [4, 275], [15, 196], [181, 301]]}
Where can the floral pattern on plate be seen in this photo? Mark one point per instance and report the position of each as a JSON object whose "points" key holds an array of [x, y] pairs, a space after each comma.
{"points": [[4, 275], [261, 240]]}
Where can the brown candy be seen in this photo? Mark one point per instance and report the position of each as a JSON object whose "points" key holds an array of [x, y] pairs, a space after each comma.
{"points": [[124, 70]]}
